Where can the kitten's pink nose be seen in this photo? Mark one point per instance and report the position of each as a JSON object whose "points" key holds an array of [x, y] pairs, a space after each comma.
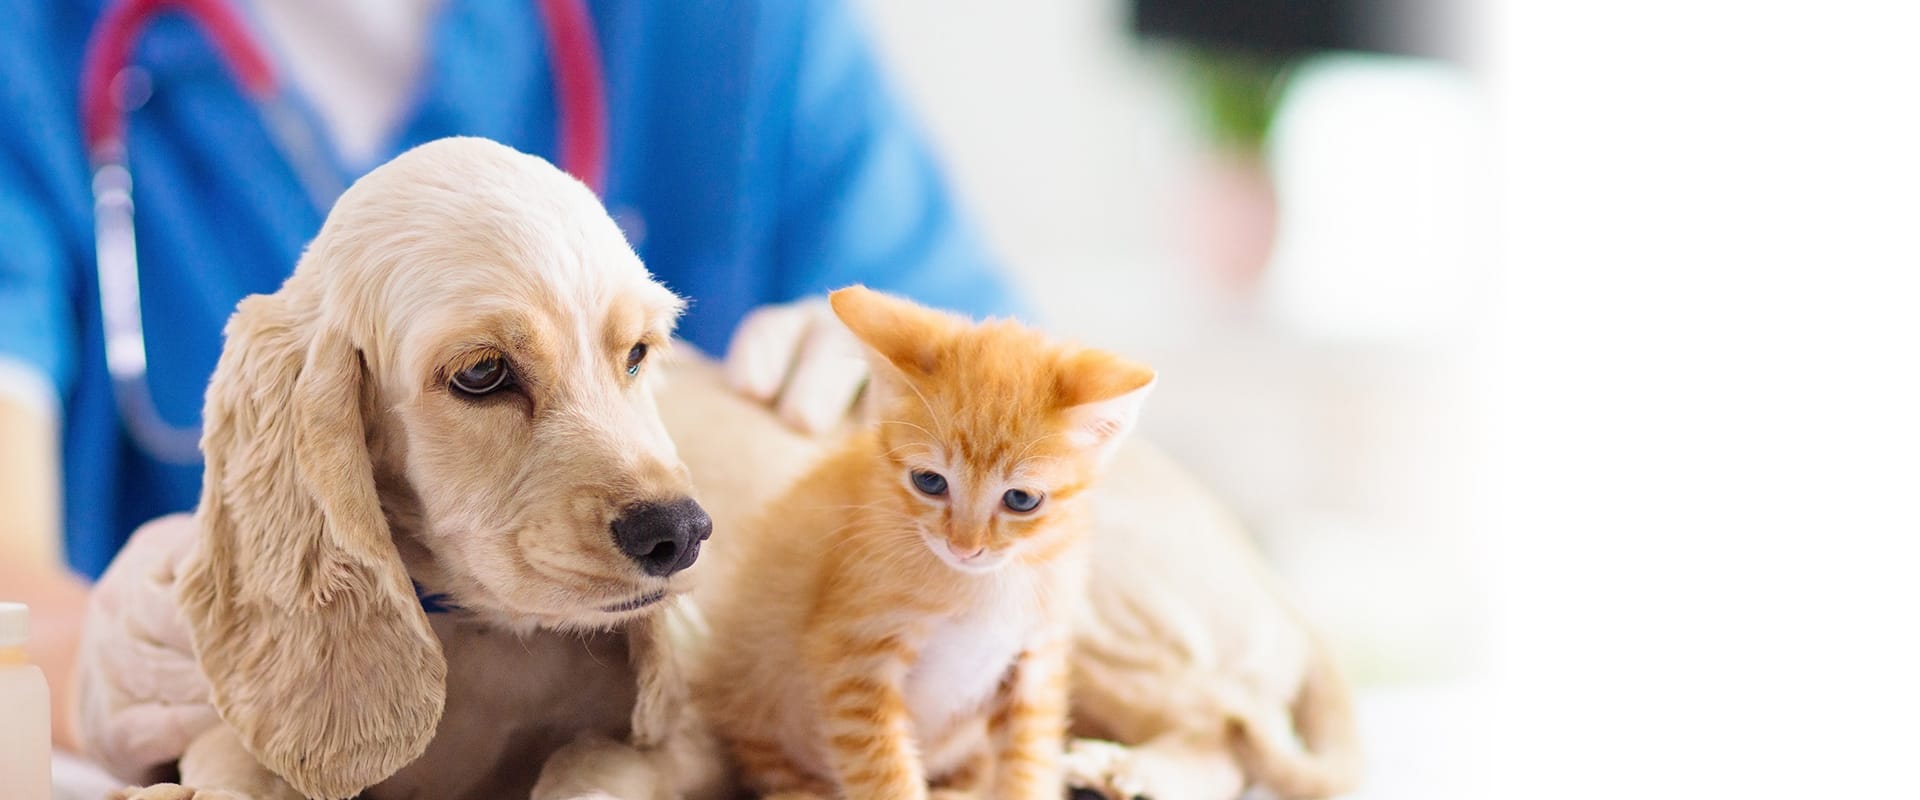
{"points": [[963, 554]]}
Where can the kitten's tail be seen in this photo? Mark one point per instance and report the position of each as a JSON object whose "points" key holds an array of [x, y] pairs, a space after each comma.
{"points": [[1322, 715]]}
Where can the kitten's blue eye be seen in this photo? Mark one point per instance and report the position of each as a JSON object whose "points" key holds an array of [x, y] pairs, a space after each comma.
{"points": [[1021, 500], [638, 352], [929, 483]]}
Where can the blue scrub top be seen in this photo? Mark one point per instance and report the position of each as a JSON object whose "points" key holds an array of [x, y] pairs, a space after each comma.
{"points": [[755, 157]]}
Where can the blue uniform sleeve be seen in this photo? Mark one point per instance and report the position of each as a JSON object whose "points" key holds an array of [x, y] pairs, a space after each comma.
{"points": [[41, 175], [36, 319], [863, 200]]}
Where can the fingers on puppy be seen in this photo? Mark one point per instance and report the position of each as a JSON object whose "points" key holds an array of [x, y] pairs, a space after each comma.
{"points": [[801, 359]]}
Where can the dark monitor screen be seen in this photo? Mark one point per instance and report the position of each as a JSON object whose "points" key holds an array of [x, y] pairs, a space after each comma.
{"points": [[1281, 28]]}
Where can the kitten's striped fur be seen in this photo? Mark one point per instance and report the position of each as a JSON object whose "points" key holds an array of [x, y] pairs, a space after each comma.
{"points": [[878, 640]]}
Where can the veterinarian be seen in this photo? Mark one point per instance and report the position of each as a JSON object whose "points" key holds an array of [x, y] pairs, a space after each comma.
{"points": [[750, 150]]}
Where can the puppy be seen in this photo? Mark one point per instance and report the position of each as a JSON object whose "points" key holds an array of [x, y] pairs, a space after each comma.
{"points": [[1193, 677], [1191, 658], [441, 517]]}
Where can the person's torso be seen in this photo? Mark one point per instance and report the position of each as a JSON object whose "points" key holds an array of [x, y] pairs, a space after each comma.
{"points": [[223, 209]]}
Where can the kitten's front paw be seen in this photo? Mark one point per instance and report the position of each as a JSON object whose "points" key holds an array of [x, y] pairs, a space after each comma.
{"points": [[174, 791], [1098, 770]]}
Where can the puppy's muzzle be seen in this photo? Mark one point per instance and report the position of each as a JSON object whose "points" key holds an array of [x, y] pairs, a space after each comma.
{"points": [[663, 538]]}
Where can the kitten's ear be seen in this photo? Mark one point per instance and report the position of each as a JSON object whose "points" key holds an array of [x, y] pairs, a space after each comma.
{"points": [[885, 384], [1101, 395], [899, 331]]}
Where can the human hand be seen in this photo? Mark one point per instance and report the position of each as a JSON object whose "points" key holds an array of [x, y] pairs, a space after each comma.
{"points": [[798, 357], [141, 697]]}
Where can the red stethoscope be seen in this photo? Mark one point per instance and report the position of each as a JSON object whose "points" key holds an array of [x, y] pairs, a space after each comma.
{"points": [[579, 90]]}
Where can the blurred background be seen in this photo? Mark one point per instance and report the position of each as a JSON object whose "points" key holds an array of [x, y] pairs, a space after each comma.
{"points": [[1284, 208], [1564, 358]]}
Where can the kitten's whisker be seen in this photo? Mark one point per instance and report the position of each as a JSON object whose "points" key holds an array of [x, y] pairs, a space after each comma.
{"points": [[1019, 471], [921, 445], [885, 535], [915, 426], [844, 541], [1020, 459], [847, 506], [929, 434], [897, 556], [924, 403]]}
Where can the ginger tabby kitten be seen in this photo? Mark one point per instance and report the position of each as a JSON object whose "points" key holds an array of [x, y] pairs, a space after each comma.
{"points": [[899, 619]]}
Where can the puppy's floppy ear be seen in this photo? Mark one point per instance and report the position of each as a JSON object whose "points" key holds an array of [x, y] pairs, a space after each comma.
{"points": [[303, 617]]}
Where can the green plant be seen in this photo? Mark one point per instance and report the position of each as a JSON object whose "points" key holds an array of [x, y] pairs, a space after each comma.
{"points": [[1237, 95]]}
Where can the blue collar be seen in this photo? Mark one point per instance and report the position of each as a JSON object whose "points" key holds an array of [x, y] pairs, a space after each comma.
{"points": [[434, 602]]}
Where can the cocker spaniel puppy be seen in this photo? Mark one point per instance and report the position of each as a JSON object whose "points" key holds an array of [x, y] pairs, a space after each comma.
{"points": [[442, 520]]}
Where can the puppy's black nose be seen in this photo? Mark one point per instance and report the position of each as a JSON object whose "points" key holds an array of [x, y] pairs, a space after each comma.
{"points": [[663, 538]]}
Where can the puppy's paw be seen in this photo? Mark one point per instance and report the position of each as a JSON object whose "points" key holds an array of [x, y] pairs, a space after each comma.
{"points": [[173, 791], [1099, 770]]}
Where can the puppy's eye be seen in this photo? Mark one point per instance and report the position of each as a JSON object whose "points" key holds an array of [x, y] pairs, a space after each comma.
{"points": [[634, 357], [931, 484], [1020, 500], [485, 377]]}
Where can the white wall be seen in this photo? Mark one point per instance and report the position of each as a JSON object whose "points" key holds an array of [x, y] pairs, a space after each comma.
{"points": [[1080, 152], [1698, 520]]}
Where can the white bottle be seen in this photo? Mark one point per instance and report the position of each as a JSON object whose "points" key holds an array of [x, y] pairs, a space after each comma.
{"points": [[26, 720]]}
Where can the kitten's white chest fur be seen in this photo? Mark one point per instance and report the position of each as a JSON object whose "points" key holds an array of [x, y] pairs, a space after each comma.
{"points": [[965, 656]]}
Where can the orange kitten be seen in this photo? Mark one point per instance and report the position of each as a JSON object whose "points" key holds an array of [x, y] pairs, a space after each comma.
{"points": [[899, 618]]}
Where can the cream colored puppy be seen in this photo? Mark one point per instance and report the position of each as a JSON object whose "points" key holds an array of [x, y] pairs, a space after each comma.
{"points": [[1190, 654], [445, 409], [344, 391]]}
